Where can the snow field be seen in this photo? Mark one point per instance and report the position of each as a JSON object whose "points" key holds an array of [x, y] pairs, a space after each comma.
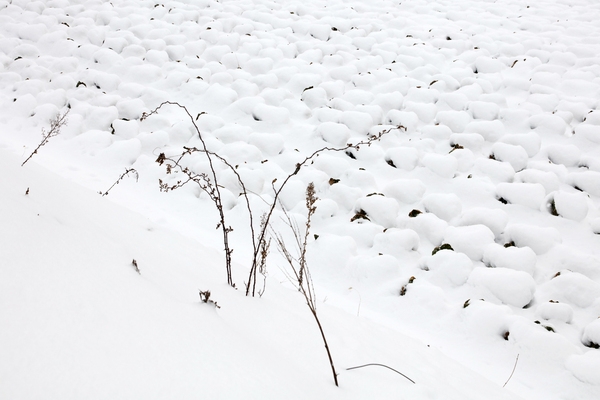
{"points": [[496, 146]]}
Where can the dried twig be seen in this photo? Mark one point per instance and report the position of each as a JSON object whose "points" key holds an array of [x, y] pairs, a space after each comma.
{"points": [[123, 175], [380, 365], [513, 371], [205, 298], [56, 125], [299, 268]]}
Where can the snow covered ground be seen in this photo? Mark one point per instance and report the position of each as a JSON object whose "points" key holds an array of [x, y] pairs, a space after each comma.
{"points": [[498, 151]]}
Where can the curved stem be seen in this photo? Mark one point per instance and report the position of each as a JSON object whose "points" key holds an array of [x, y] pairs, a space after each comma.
{"points": [[380, 365]]}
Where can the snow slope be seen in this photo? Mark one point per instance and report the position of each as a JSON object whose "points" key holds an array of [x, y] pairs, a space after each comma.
{"points": [[79, 321], [498, 148]]}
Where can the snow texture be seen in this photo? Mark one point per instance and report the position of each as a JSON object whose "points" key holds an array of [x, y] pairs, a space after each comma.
{"points": [[468, 234]]}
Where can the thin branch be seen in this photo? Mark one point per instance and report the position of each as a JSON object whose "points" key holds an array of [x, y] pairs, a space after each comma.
{"points": [[513, 371], [380, 365], [299, 267], [123, 175], [56, 125]]}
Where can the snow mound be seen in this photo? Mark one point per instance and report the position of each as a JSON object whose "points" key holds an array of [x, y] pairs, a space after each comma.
{"points": [[514, 288]]}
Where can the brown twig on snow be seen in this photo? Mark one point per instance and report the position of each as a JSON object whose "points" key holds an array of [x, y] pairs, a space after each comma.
{"points": [[56, 125], [513, 371], [379, 365], [123, 175], [300, 277]]}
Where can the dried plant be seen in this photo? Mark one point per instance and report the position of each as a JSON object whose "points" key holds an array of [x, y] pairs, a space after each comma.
{"points": [[56, 124], [300, 274], [251, 284], [123, 175], [264, 252], [205, 298], [208, 182]]}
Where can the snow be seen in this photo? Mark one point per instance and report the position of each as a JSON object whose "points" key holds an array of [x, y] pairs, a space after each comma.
{"points": [[492, 150], [514, 288]]}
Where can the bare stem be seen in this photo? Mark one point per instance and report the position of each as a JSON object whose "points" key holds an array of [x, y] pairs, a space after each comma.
{"points": [[299, 267], [123, 175], [379, 365], [513, 371], [56, 125]]}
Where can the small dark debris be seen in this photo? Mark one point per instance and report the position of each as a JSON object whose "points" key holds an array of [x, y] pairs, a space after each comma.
{"points": [[502, 200], [205, 298], [349, 154], [592, 345], [467, 303], [456, 146], [135, 265], [80, 83], [510, 244], [333, 181], [411, 279], [414, 213], [27, 192], [552, 207], [505, 335], [556, 275], [375, 194], [391, 163], [403, 290], [360, 214], [443, 246]]}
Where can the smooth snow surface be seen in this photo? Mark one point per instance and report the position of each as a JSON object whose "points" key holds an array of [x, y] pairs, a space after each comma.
{"points": [[492, 162]]}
